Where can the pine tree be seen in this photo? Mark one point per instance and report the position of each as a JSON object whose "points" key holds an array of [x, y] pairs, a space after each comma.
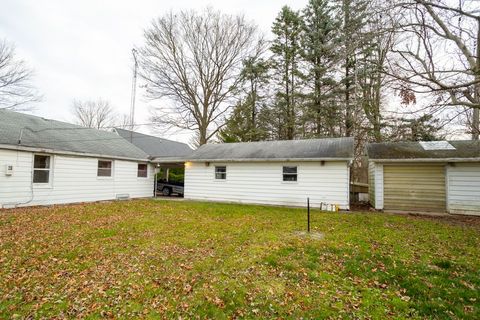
{"points": [[354, 40], [286, 61], [246, 122], [319, 49]]}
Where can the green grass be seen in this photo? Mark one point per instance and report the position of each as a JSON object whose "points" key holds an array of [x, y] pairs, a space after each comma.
{"points": [[170, 259]]}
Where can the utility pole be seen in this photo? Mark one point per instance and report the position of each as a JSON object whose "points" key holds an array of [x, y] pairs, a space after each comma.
{"points": [[134, 91]]}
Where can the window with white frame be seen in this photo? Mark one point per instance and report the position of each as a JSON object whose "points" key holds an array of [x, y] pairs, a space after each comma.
{"points": [[220, 172], [142, 170], [41, 168], [289, 173], [104, 168]]}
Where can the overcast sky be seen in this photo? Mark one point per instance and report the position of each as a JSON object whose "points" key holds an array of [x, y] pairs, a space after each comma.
{"points": [[82, 49]]}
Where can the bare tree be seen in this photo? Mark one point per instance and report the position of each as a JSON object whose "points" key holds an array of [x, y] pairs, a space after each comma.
{"points": [[16, 90], [96, 114], [124, 122], [192, 61], [440, 54]]}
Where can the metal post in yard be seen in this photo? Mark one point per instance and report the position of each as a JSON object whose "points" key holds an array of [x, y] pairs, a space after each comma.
{"points": [[308, 215]]}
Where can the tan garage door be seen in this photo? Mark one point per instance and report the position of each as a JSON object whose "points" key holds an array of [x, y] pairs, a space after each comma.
{"points": [[414, 187]]}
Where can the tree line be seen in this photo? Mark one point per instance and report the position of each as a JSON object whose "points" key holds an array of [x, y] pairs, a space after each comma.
{"points": [[401, 70], [375, 70]]}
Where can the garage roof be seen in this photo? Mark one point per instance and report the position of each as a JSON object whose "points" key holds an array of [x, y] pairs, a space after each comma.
{"points": [[411, 151], [306, 150], [22, 131], [154, 146]]}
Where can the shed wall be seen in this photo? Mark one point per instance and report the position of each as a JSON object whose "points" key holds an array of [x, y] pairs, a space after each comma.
{"points": [[371, 183], [73, 179], [464, 188], [261, 182]]}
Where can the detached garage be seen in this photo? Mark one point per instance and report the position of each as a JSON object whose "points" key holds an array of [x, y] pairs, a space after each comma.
{"points": [[272, 172], [439, 176]]}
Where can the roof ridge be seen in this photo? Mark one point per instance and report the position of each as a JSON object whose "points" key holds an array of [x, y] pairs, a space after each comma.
{"points": [[265, 141]]}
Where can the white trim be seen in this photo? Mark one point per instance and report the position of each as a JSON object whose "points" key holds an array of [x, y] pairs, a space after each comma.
{"points": [[215, 173], [379, 186], [112, 170], [282, 175], [348, 186], [43, 185], [447, 188], [148, 167], [62, 152]]}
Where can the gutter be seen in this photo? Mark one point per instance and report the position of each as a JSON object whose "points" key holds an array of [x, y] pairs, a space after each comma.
{"points": [[428, 160], [71, 153], [269, 160]]}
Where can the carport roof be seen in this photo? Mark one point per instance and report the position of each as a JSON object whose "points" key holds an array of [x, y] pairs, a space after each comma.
{"points": [[287, 150], [420, 151]]}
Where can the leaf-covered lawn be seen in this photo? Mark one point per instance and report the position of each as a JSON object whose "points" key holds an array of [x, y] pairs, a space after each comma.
{"points": [[168, 259]]}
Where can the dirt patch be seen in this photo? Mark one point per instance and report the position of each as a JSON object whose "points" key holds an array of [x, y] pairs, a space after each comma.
{"points": [[312, 235]]}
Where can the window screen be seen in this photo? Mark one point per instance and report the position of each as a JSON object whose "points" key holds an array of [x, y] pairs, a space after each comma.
{"points": [[41, 169], [104, 168], [142, 171], [221, 173], [289, 173]]}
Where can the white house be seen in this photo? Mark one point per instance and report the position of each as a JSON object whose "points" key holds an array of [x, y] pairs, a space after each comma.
{"points": [[439, 176], [50, 162], [272, 172]]}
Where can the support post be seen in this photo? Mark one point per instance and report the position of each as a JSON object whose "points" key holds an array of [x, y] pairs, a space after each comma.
{"points": [[308, 215]]}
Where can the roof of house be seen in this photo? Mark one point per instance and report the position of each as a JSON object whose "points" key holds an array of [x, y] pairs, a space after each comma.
{"points": [[154, 146], [411, 151], [307, 150], [23, 131]]}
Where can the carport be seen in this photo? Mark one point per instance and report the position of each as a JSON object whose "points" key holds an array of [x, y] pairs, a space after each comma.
{"points": [[168, 155], [164, 168]]}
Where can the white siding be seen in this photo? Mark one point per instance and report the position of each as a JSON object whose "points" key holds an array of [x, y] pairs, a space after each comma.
{"points": [[463, 183], [378, 176], [73, 179], [259, 182]]}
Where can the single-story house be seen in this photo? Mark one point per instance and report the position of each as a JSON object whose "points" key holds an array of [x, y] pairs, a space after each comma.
{"points": [[45, 162], [439, 176], [272, 172]]}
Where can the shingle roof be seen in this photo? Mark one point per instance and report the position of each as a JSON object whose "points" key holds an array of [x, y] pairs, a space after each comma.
{"points": [[154, 146], [37, 132], [464, 149], [311, 149]]}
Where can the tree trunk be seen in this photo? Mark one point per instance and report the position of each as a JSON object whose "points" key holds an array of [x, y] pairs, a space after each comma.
{"points": [[348, 111], [202, 138]]}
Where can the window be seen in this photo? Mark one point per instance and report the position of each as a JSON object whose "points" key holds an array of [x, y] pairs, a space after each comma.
{"points": [[41, 169], [289, 173], [221, 173], [104, 168], [142, 170]]}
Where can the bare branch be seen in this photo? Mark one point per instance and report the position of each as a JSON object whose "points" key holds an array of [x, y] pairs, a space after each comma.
{"points": [[16, 91], [192, 62]]}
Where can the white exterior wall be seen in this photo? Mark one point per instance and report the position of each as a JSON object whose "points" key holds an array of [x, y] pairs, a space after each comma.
{"points": [[72, 179], [378, 176], [463, 188], [262, 182]]}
